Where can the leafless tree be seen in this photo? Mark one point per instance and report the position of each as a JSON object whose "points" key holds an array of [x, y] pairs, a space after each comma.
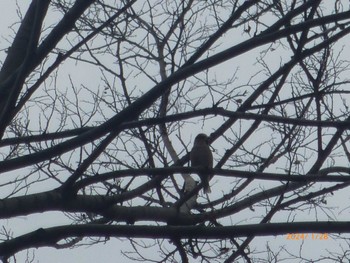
{"points": [[100, 102]]}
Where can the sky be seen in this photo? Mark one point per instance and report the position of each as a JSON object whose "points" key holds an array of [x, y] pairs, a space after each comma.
{"points": [[111, 251]]}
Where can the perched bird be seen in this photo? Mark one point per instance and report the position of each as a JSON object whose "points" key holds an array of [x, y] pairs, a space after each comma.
{"points": [[201, 156]]}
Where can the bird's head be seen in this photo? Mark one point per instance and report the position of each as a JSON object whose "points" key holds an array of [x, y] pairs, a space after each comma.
{"points": [[201, 138]]}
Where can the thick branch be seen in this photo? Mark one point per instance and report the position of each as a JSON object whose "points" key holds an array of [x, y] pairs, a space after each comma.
{"points": [[50, 236]]}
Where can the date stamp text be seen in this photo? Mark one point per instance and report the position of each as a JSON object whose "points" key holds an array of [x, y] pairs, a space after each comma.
{"points": [[307, 236]]}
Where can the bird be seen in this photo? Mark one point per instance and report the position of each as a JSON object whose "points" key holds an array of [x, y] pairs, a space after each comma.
{"points": [[201, 156]]}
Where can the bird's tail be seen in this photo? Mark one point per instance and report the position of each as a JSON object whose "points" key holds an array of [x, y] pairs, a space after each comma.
{"points": [[206, 187]]}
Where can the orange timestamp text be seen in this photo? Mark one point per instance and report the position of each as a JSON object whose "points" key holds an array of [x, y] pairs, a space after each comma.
{"points": [[305, 236]]}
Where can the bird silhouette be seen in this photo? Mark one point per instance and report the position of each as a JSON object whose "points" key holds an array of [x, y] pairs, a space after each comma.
{"points": [[201, 156]]}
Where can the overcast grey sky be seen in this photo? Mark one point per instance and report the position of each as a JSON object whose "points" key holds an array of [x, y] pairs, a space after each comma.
{"points": [[111, 251]]}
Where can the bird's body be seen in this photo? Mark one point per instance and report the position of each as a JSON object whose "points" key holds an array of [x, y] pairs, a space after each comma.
{"points": [[201, 156]]}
